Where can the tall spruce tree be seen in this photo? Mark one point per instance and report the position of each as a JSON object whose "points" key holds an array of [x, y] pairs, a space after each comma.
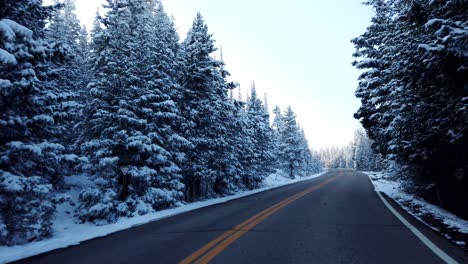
{"points": [[261, 134], [277, 127], [204, 105], [309, 163], [289, 148], [364, 157], [69, 78], [29, 162], [241, 141], [129, 130]]}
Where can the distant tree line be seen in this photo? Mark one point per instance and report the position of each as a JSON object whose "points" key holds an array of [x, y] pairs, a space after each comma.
{"points": [[147, 117], [358, 155], [414, 94]]}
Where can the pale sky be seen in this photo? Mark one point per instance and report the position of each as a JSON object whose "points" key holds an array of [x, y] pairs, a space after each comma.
{"points": [[296, 51]]}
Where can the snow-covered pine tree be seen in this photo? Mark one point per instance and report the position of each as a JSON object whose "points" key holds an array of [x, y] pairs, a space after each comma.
{"points": [[129, 130], [83, 57], [278, 122], [95, 38], [29, 163], [204, 103], [348, 156], [309, 163], [364, 157], [239, 146], [248, 147], [68, 78], [261, 137], [375, 98], [169, 68], [277, 127], [289, 148], [169, 48], [168, 119]]}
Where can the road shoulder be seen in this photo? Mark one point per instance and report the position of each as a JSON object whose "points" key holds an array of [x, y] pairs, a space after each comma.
{"points": [[450, 248]]}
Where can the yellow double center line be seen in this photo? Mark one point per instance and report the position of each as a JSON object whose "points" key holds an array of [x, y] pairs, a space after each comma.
{"points": [[213, 248]]}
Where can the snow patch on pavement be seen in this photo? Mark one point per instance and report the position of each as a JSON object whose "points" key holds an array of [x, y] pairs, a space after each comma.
{"points": [[67, 232]]}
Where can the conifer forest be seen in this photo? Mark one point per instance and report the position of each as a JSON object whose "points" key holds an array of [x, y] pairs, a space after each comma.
{"points": [[149, 119]]}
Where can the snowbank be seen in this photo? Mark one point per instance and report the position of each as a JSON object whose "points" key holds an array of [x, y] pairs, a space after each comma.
{"points": [[68, 233]]}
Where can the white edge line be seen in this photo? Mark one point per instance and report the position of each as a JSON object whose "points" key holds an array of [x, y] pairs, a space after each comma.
{"points": [[439, 252]]}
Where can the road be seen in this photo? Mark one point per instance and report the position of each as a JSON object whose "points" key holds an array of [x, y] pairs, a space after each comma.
{"points": [[336, 218]]}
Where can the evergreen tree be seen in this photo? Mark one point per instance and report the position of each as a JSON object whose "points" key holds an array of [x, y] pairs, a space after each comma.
{"points": [[204, 105], [289, 148], [261, 139], [364, 157], [69, 78], [237, 173], [168, 49], [95, 35], [277, 127], [129, 130], [309, 163], [29, 162]]}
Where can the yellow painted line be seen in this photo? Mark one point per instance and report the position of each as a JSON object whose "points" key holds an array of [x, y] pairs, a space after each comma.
{"points": [[205, 248], [219, 248], [213, 248]]}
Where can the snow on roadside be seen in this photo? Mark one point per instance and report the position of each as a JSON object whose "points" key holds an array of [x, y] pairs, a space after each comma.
{"points": [[418, 207], [68, 233]]}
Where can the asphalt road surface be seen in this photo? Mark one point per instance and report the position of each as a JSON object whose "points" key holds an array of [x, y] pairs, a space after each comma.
{"points": [[336, 218]]}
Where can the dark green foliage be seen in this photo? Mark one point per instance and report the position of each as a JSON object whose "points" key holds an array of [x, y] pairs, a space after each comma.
{"points": [[413, 92], [29, 160], [205, 108]]}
